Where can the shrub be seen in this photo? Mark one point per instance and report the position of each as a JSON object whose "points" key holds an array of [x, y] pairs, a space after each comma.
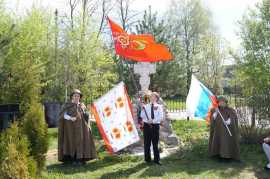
{"points": [[252, 135], [36, 130], [15, 161]]}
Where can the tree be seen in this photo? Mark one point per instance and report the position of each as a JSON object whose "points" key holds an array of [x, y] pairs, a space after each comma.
{"points": [[210, 60], [25, 60], [6, 36], [6, 28], [254, 61], [190, 22], [83, 62]]}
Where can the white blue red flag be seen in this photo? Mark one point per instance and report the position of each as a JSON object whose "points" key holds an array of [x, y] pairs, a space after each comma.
{"points": [[200, 100], [113, 114]]}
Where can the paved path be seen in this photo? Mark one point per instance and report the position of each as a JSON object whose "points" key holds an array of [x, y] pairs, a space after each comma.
{"points": [[180, 116]]}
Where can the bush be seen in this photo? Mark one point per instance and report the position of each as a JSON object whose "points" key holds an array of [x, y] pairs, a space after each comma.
{"points": [[36, 130], [15, 161], [14, 164], [252, 135]]}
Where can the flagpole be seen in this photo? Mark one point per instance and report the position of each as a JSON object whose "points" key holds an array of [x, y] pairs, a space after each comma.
{"points": [[224, 123]]}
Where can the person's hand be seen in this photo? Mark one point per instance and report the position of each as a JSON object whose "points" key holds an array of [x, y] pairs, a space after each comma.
{"points": [[73, 119], [83, 106], [141, 126], [228, 122], [214, 116], [161, 123], [266, 140]]}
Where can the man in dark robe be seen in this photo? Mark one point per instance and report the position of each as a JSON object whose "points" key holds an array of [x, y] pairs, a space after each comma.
{"points": [[75, 140], [221, 144]]}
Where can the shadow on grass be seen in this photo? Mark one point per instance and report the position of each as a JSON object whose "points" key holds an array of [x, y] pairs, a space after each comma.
{"points": [[70, 169], [194, 160], [126, 172]]}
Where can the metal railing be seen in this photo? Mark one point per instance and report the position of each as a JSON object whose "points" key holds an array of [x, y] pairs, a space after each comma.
{"points": [[177, 107]]}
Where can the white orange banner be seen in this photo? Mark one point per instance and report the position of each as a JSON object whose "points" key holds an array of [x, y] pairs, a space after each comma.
{"points": [[113, 114]]}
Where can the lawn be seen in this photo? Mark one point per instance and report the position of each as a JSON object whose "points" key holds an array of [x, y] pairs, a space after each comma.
{"points": [[191, 161]]}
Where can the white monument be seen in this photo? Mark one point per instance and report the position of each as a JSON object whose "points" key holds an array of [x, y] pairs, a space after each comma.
{"points": [[144, 70]]}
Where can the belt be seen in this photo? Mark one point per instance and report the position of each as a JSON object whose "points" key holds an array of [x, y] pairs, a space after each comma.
{"points": [[152, 123]]}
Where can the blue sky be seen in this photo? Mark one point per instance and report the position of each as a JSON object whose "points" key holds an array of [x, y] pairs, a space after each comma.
{"points": [[226, 13]]}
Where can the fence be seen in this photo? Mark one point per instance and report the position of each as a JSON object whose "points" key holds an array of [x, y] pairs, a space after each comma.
{"points": [[177, 107], [254, 114]]}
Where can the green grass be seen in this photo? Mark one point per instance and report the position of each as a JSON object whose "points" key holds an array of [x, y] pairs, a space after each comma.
{"points": [[52, 133], [191, 161]]}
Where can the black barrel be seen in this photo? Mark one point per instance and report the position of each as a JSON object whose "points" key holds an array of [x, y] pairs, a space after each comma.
{"points": [[52, 111], [8, 114]]}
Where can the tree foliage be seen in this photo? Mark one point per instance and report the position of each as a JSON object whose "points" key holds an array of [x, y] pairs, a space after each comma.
{"points": [[254, 61], [188, 31]]}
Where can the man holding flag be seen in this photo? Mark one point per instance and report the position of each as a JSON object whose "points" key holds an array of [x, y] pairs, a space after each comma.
{"points": [[224, 136], [222, 143]]}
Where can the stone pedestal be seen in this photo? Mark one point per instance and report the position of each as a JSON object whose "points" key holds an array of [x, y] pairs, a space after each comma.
{"points": [[166, 132]]}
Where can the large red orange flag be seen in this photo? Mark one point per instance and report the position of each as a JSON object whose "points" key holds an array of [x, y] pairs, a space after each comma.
{"points": [[141, 48]]}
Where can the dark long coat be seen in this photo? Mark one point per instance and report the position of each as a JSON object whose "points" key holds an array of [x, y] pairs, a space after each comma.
{"points": [[75, 140], [220, 142]]}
